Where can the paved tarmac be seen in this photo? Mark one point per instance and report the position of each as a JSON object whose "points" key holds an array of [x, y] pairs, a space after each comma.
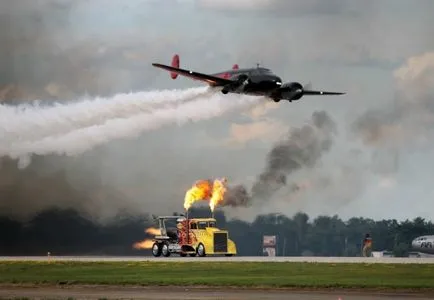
{"points": [[316, 259], [179, 293]]}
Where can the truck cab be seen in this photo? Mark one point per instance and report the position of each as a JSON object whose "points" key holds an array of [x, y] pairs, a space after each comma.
{"points": [[197, 236]]}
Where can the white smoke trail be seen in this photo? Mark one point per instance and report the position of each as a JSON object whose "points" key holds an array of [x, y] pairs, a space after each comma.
{"points": [[84, 139], [33, 122]]}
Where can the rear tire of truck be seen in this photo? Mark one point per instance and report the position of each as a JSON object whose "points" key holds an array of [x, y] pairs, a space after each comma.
{"points": [[182, 254], [165, 250], [201, 250], [156, 249]]}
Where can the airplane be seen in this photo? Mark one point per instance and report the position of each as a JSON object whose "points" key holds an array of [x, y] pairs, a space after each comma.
{"points": [[257, 81], [424, 244]]}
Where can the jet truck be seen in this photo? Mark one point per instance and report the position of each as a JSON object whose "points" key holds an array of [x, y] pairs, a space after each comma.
{"points": [[193, 237]]}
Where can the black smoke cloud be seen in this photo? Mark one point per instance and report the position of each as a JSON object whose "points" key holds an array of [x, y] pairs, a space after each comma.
{"points": [[302, 148]]}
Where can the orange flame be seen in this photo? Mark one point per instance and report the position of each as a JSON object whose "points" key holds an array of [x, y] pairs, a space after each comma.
{"points": [[153, 231], [201, 190], [218, 193], [205, 190], [145, 244]]}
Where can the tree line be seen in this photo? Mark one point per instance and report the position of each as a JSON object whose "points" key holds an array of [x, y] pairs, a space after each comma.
{"points": [[66, 232]]}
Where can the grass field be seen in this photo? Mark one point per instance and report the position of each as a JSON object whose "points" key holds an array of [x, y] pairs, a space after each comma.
{"points": [[248, 274]]}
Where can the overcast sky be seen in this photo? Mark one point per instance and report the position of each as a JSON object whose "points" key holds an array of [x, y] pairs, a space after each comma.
{"points": [[376, 51]]}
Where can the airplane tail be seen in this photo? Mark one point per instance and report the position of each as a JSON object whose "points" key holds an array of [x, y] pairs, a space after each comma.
{"points": [[235, 67], [175, 64]]}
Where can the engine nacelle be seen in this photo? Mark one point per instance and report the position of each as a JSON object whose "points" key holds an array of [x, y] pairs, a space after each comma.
{"points": [[291, 91]]}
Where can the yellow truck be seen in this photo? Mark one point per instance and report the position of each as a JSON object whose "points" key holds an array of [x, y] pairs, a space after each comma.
{"points": [[197, 236]]}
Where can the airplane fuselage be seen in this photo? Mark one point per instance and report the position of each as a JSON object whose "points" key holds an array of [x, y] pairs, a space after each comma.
{"points": [[251, 81], [424, 244]]}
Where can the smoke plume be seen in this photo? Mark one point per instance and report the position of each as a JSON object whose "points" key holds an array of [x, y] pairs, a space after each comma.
{"points": [[19, 142], [302, 148], [33, 122]]}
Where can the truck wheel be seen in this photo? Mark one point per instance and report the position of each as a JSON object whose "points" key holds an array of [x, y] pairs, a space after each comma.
{"points": [[183, 254], [193, 254], [156, 249], [201, 250], [165, 250]]}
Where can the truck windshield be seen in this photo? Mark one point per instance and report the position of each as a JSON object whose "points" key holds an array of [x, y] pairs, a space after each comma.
{"points": [[212, 224], [202, 225]]}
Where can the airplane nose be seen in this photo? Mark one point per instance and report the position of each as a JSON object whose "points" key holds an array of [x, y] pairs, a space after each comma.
{"points": [[414, 243]]}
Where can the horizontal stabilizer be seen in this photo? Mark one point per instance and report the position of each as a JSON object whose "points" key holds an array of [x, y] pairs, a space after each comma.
{"points": [[308, 92]]}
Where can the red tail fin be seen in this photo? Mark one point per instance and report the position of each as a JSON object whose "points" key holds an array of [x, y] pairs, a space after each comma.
{"points": [[175, 64], [235, 67]]}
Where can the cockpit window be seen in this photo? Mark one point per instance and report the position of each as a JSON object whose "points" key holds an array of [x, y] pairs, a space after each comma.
{"points": [[212, 224], [258, 71]]}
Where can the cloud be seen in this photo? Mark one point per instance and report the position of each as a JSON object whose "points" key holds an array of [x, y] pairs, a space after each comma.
{"points": [[264, 131], [282, 7], [349, 32], [241, 4], [417, 76], [262, 110], [407, 121]]}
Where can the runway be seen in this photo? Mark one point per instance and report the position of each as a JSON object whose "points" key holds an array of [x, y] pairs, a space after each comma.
{"points": [[315, 259], [184, 293]]}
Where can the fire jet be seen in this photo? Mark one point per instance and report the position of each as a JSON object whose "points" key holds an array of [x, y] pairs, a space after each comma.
{"points": [[257, 81]]}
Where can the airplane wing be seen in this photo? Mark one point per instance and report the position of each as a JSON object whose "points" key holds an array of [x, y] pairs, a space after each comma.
{"points": [[310, 93], [213, 80]]}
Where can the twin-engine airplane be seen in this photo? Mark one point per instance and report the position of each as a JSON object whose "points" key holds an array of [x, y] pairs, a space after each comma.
{"points": [[257, 81]]}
